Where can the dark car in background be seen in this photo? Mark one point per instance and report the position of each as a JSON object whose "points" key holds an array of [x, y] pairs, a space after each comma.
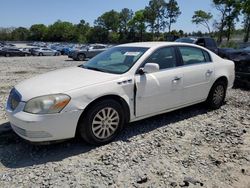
{"points": [[241, 59], [87, 52], [7, 52], [206, 42]]}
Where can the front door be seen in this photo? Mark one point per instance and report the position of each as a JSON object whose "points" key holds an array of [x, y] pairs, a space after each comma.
{"points": [[161, 90]]}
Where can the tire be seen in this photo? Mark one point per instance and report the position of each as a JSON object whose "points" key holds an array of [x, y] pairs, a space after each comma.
{"points": [[25, 55], [102, 122], [7, 55], [81, 57], [217, 95], [40, 54]]}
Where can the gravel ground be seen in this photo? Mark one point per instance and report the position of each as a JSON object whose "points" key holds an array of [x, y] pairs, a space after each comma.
{"points": [[192, 147]]}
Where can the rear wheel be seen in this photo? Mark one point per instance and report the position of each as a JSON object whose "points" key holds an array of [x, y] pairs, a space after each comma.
{"points": [[40, 54], [102, 122], [81, 57], [217, 94]]}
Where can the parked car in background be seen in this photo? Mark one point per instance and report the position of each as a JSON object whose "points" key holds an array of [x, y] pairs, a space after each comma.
{"points": [[87, 52], [206, 42], [25, 49], [45, 52], [124, 84], [7, 52], [241, 58]]}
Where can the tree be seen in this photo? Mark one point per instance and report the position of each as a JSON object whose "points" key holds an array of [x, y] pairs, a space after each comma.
{"points": [[61, 31], [20, 34], [153, 15], [38, 32], [5, 33], [109, 21], [172, 13], [137, 24], [201, 17], [246, 12], [97, 34], [229, 12], [81, 31], [124, 17]]}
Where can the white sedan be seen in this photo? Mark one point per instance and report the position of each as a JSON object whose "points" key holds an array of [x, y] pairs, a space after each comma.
{"points": [[46, 52], [126, 83]]}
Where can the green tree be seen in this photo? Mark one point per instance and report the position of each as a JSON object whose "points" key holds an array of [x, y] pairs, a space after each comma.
{"points": [[81, 30], [201, 17], [153, 15], [38, 32], [171, 13], [97, 34], [229, 12], [61, 32], [137, 24], [124, 17], [5, 34], [246, 12], [20, 34], [109, 21]]}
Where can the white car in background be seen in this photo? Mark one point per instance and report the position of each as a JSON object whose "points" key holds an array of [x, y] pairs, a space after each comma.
{"points": [[45, 52], [126, 83]]}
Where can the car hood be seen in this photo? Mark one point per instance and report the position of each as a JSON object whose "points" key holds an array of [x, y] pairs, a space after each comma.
{"points": [[61, 81]]}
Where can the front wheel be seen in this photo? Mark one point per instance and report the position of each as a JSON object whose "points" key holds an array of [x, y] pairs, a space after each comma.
{"points": [[81, 57], [102, 122], [217, 95]]}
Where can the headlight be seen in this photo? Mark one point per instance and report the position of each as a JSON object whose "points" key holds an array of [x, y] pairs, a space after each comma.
{"points": [[48, 104]]}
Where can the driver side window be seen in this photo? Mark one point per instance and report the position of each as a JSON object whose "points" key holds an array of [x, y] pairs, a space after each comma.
{"points": [[164, 57]]}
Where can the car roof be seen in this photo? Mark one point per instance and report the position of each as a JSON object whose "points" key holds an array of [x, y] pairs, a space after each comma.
{"points": [[154, 44]]}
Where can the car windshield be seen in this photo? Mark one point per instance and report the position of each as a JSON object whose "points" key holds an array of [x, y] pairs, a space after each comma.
{"points": [[116, 60]]}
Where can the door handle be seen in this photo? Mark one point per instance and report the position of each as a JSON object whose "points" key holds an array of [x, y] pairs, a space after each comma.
{"points": [[209, 72], [176, 79]]}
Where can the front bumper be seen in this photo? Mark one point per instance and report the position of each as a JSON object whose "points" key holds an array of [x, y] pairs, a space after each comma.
{"points": [[42, 128]]}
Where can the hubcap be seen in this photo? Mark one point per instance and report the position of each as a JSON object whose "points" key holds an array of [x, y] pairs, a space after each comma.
{"points": [[105, 123], [218, 94], [81, 57]]}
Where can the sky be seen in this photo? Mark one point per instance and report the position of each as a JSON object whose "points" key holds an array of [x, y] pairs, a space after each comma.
{"points": [[15, 13]]}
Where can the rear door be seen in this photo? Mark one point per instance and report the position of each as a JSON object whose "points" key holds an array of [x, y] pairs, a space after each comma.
{"points": [[198, 71]]}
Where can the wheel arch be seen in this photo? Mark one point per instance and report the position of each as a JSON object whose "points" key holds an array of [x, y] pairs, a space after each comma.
{"points": [[221, 78], [116, 98]]}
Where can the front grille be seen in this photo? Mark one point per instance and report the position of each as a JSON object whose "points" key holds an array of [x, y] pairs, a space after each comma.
{"points": [[14, 99]]}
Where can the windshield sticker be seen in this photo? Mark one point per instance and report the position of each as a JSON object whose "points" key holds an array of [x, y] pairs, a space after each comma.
{"points": [[132, 53]]}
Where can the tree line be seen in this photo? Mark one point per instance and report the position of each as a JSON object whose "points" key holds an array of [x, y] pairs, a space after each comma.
{"points": [[154, 22]]}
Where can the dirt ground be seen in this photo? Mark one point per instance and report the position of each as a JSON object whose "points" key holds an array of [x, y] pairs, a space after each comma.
{"points": [[192, 147]]}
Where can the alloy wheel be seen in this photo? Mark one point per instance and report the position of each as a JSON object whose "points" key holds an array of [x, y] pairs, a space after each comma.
{"points": [[218, 94], [105, 123]]}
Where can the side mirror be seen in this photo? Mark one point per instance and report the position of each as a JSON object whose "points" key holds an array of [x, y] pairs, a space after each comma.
{"points": [[151, 67]]}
